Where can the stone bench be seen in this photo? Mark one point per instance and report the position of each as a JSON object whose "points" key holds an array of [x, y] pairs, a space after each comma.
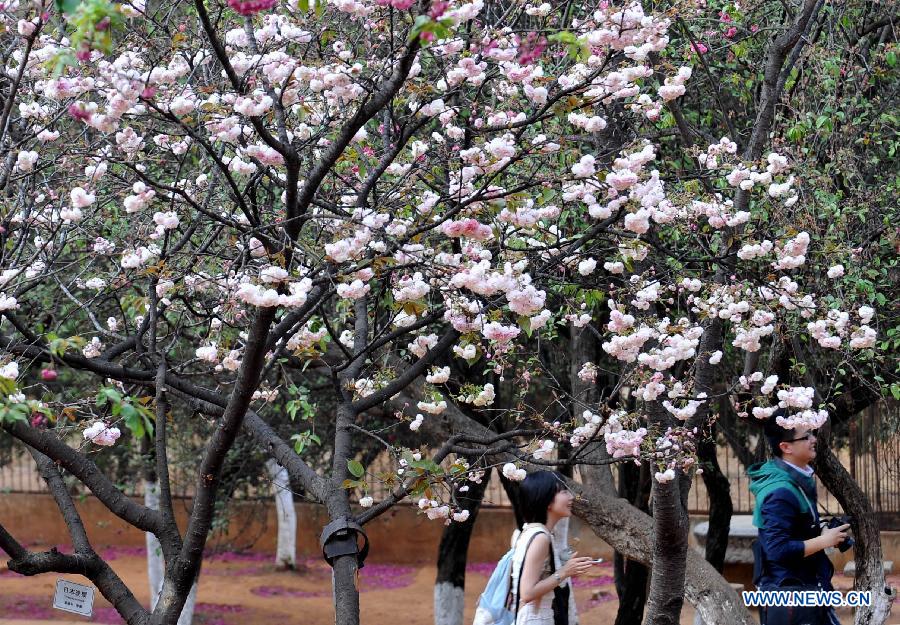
{"points": [[741, 534], [850, 568], [739, 555]]}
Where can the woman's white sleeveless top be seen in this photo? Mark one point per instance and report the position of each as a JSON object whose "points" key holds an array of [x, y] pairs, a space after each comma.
{"points": [[538, 612]]}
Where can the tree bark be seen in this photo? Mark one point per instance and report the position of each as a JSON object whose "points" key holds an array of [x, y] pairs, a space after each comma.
{"points": [[631, 587], [629, 531], [156, 566], [582, 349], [187, 612], [155, 562], [286, 548], [631, 576], [182, 573], [867, 550], [450, 585], [85, 561], [720, 506], [669, 551], [345, 569]]}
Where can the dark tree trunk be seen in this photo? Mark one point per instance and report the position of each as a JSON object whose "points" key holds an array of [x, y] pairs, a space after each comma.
{"points": [[631, 586], [720, 506], [450, 584], [512, 492], [346, 592], [582, 349], [631, 576], [867, 551], [669, 551], [729, 427], [345, 569]]}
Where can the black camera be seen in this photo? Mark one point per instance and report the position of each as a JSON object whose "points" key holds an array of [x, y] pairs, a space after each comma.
{"points": [[837, 521]]}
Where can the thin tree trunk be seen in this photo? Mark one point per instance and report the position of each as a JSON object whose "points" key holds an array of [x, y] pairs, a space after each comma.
{"points": [[345, 568], [868, 553], [346, 593], [156, 563], [631, 576], [631, 586], [582, 349], [286, 548], [669, 551], [630, 531], [720, 506], [187, 612], [449, 587]]}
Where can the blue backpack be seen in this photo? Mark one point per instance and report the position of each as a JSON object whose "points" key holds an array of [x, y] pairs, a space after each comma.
{"points": [[495, 606]]}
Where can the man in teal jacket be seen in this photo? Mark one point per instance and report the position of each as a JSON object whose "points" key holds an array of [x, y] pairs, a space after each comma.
{"points": [[791, 544]]}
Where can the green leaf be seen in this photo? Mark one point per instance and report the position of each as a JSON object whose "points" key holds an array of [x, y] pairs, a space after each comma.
{"points": [[525, 324], [7, 386], [564, 37], [133, 420], [419, 26], [355, 468], [58, 63], [148, 422], [796, 133], [67, 6], [108, 395], [302, 440]]}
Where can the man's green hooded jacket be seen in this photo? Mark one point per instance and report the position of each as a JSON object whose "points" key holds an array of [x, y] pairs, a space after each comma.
{"points": [[785, 513], [766, 477]]}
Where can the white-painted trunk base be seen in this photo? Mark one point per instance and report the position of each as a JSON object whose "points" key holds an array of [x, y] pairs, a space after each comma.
{"points": [[560, 538], [187, 612], [449, 601], [286, 550], [156, 565]]}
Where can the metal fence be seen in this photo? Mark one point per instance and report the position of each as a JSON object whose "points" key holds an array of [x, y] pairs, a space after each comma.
{"points": [[870, 452], [874, 460], [741, 498]]}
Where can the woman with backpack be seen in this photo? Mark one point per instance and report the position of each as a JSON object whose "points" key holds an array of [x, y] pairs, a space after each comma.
{"points": [[540, 581]]}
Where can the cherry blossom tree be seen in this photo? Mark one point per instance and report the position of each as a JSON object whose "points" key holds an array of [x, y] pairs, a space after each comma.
{"points": [[206, 201]]}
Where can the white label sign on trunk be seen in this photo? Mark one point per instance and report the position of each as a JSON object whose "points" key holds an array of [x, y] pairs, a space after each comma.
{"points": [[73, 597]]}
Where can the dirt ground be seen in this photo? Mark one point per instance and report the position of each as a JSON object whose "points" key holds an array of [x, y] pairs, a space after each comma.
{"points": [[245, 589]]}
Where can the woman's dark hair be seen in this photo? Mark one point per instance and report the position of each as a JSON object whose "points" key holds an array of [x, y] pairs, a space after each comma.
{"points": [[536, 493], [776, 434]]}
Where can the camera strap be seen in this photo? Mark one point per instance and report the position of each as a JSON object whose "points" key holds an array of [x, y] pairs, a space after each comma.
{"points": [[812, 509]]}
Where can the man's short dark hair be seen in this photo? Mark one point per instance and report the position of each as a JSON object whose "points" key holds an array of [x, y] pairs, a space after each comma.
{"points": [[776, 434], [536, 493]]}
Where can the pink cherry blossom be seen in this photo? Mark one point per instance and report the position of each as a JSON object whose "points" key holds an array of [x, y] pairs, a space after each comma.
{"points": [[100, 433]]}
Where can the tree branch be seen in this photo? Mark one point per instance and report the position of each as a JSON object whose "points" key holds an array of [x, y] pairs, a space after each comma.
{"points": [[89, 474]]}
